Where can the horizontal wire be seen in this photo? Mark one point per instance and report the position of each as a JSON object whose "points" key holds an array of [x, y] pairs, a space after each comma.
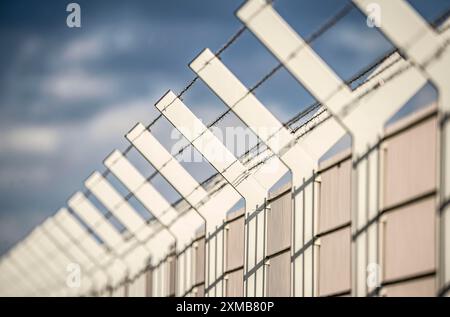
{"points": [[350, 105], [347, 107], [326, 26], [109, 215], [188, 86], [313, 37], [272, 72], [317, 34]]}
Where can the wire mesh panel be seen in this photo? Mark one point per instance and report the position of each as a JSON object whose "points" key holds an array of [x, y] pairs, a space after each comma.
{"points": [[215, 262], [427, 48], [304, 246], [190, 267]]}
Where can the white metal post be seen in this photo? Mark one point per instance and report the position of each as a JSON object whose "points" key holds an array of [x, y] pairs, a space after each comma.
{"points": [[212, 208], [429, 51], [87, 244], [183, 227], [362, 111], [226, 164]]}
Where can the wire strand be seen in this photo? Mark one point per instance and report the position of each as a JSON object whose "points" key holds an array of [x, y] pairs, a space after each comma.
{"points": [[326, 26], [313, 37]]}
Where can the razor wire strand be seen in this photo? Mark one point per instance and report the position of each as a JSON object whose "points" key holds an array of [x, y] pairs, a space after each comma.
{"points": [[240, 178], [315, 35], [353, 103], [330, 23], [374, 88], [350, 106], [326, 26], [347, 108], [186, 88]]}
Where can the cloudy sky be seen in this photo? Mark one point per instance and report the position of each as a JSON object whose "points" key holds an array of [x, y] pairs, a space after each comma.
{"points": [[67, 95]]}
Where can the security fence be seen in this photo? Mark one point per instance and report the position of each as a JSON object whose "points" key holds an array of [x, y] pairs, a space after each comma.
{"points": [[371, 220]]}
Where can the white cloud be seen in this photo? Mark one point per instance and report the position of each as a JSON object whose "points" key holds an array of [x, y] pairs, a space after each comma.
{"points": [[99, 44], [86, 142], [35, 174], [76, 84], [55, 151], [77, 81], [362, 39], [30, 140], [118, 119], [83, 48]]}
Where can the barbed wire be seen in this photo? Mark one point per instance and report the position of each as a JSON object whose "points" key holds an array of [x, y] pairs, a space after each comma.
{"points": [[315, 35], [240, 178], [315, 106], [243, 176], [346, 109], [322, 29]]}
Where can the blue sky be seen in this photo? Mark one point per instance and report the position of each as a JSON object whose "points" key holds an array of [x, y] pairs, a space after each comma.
{"points": [[67, 96]]}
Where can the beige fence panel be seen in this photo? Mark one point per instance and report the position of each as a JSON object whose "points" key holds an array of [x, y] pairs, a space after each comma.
{"points": [[278, 237], [362, 223], [408, 235], [425, 287], [334, 221], [363, 114], [408, 224], [334, 263], [234, 254], [429, 50], [278, 275]]}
